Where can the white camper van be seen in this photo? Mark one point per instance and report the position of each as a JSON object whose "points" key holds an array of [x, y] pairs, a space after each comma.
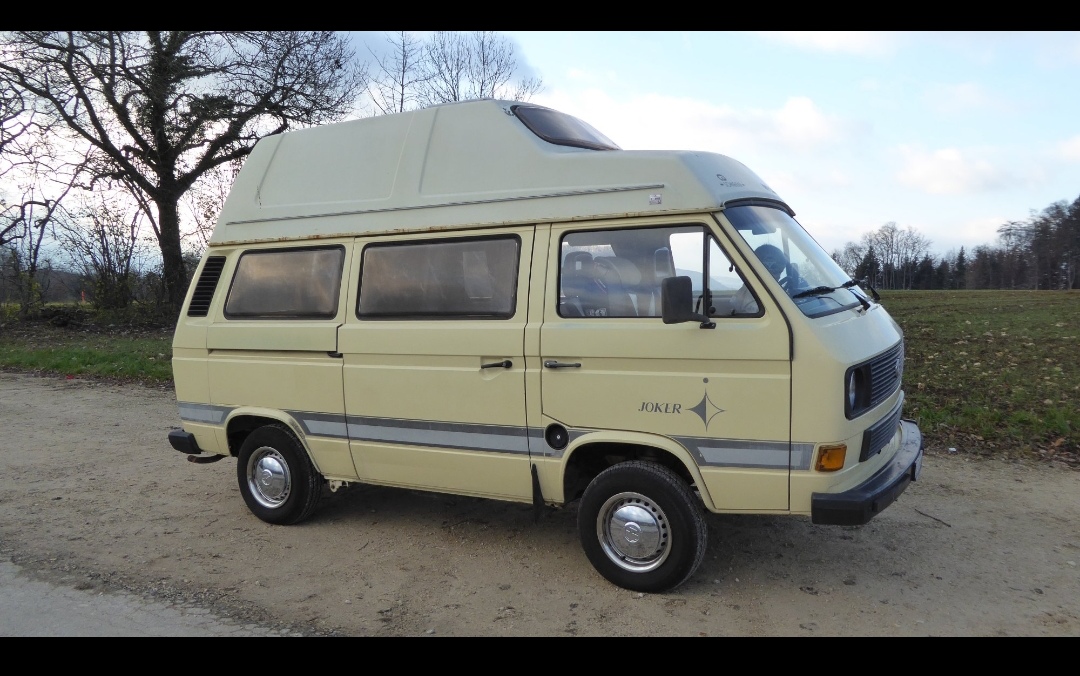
{"points": [[492, 299]]}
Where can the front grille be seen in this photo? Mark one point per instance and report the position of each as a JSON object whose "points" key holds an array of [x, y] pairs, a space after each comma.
{"points": [[878, 435], [886, 372]]}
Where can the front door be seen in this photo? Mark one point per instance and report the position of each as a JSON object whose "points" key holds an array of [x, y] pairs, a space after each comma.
{"points": [[434, 367], [610, 363]]}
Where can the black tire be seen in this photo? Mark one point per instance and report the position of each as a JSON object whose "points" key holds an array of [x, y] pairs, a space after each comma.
{"points": [[276, 477], [642, 527]]}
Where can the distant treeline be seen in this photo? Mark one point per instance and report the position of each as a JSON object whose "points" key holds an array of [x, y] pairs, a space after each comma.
{"points": [[1042, 252]]}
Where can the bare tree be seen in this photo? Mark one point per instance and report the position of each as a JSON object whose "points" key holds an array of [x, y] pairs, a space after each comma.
{"points": [[449, 66], [912, 248], [446, 64], [491, 66], [103, 242], [1013, 237], [204, 201], [15, 116], [23, 143], [898, 251], [28, 224], [43, 177], [1069, 241], [162, 108], [400, 74], [849, 257]]}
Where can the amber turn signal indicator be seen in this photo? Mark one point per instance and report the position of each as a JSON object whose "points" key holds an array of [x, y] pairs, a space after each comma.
{"points": [[831, 458]]}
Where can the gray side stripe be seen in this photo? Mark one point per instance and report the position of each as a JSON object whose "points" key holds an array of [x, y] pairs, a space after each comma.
{"points": [[511, 439], [801, 454], [438, 434], [321, 424], [746, 453], [204, 413]]}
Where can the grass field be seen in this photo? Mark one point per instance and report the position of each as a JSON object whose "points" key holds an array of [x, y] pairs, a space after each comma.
{"points": [[129, 355], [993, 372], [987, 372]]}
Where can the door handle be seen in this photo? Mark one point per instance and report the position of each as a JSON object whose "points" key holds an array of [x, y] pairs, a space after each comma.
{"points": [[505, 363], [552, 364]]}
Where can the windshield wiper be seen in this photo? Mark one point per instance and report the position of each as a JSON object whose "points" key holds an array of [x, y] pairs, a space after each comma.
{"points": [[873, 292], [818, 290]]}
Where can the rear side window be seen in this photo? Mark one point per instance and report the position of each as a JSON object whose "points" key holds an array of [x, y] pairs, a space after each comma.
{"points": [[467, 278], [286, 283]]}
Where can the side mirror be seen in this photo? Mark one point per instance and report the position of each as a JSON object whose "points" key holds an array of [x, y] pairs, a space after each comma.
{"points": [[677, 301]]}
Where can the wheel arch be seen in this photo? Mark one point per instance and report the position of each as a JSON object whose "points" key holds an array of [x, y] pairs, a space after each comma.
{"points": [[592, 453], [243, 421]]}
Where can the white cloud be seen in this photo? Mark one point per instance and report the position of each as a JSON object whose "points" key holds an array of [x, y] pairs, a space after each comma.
{"points": [[801, 123], [1069, 150], [960, 98], [844, 42], [982, 230], [812, 179], [656, 122], [948, 171], [584, 77], [1057, 49], [967, 233]]}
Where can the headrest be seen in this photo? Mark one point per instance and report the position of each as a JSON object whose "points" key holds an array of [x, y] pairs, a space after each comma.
{"points": [[577, 260]]}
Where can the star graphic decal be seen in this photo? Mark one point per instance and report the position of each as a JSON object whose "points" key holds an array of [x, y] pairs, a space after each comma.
{"points": [[706, 410]]}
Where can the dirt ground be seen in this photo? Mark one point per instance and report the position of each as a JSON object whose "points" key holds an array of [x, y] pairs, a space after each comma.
{"points": [[94, 497]]}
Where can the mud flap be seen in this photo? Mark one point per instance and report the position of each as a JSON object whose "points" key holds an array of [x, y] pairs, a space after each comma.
{"points": [[538, 497]]}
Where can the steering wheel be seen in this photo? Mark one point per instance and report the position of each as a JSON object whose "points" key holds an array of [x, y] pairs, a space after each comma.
{"points": [[703, 304], [790, 283]]}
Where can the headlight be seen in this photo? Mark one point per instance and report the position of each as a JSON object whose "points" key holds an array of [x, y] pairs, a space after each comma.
{"points": [[852, 390], [857, 391]]}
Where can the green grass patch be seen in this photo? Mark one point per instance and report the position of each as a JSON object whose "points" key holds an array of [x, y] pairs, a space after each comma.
{"points": [[116, 354], [993, 372]]}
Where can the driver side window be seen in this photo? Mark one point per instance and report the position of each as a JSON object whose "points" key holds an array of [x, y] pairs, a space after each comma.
{"points": [[720, 293], [618, 273], [723, 277]]}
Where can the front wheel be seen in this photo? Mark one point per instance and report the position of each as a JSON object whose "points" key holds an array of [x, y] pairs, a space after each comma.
{"points": [[277, 480], [642, 527]]}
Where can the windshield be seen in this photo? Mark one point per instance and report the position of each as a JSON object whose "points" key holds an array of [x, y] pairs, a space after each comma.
{"points": [[809, 276]]}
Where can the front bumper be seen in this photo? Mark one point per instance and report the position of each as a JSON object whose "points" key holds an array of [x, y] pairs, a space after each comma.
{"points": [[858, 505]]}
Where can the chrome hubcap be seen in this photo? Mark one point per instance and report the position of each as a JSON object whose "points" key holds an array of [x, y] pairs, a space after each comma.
{"points": [[268, 477], [633, 532]]}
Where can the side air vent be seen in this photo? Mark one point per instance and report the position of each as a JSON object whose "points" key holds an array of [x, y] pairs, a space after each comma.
{"points": [[204, 289]]}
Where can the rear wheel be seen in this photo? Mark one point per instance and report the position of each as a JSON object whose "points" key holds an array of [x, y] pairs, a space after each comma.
{"points": [[642, 527], [276, 477]]}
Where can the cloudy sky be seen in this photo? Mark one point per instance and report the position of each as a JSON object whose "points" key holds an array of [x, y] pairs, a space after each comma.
{"points": [[952, 134]]}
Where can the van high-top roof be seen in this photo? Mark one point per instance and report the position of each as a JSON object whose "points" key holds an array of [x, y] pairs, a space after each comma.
{"points": [[470, 164]]}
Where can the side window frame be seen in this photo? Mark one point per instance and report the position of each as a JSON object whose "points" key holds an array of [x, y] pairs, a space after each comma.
{"points": [[420, 315], [334, 288], [569, 301]]}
